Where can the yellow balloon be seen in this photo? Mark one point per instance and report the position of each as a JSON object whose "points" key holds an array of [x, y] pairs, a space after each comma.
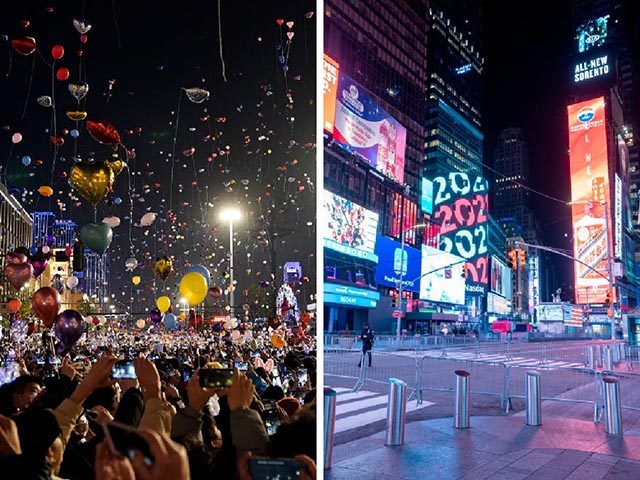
{"points": [[163, 303], [115, 165], [45, 191], [76, 115], [194, 288], [182, 316], [92, 181], [163, 267], [136, 280]]}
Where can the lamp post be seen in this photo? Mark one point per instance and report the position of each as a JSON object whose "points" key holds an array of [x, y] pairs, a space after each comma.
{"points": [[230, 215]]}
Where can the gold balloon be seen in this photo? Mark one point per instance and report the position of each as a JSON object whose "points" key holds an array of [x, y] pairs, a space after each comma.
{"points": [[136, 280], [116, 165], [45, 191], [92, 182], [163, 267], [76, 115]]}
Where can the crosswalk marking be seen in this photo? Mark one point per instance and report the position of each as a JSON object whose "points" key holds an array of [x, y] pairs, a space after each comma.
{"points": [[343, 397], [362, 404]]}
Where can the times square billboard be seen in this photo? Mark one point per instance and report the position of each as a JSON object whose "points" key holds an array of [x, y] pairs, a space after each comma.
{"points": [[461, 207], [360, 125], [589, 171]]}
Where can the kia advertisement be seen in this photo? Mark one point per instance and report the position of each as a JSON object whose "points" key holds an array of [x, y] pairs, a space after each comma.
{"points": [[589, 170], [362, 127], [442, 277], [347, 227]]}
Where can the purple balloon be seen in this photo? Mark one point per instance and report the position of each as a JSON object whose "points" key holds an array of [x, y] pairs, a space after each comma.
{"points": [[156, 316], [39, 266], [217, 327], [69, 327]]}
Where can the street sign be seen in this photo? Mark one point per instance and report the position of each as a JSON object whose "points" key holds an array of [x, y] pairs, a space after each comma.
{"points": [[397, 314]]}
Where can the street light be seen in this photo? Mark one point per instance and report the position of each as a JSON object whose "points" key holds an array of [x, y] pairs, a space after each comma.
{"points": [[230, 215]]}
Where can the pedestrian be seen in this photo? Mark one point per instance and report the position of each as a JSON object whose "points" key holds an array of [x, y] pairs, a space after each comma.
{"points": [[367, 343]]}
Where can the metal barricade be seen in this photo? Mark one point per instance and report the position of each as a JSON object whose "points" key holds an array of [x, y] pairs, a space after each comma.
{"points": [[462, 397], [533, 398], [612, 412], [330, 398], [396, 412]]}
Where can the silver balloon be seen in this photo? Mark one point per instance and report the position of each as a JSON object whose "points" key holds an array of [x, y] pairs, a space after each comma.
{"points": [[131, 264], [44, 101], [81, 26], [197, 95], [78, 90]]}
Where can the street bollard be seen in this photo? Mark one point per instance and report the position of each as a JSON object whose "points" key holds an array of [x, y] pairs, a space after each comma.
{"points": [[612, 412], [591, 357], [461, 404], [598, 356], [608, 358], [330, 398], [396, 412], [615, 353], [533, 398]]}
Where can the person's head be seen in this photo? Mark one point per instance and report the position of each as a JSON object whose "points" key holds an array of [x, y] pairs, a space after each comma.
{"points": [[106, 397], [366, 326], [39, 435], [25, 390], [295, 436]]}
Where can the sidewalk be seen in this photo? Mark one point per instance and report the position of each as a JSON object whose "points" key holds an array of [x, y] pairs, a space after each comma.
{"points": [[497, 448]]}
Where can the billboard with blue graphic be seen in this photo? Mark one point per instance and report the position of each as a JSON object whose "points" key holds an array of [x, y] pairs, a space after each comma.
{"points": [[393, 265], [348, 295]]}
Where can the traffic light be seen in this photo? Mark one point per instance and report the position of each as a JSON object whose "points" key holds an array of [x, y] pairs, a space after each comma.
{"points": [[394, 299], [464, 270], [522, 259], [608, 298], [511, 257]]}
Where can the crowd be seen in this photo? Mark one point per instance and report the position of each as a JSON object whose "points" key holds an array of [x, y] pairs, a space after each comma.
{"points": [[83, 416]]}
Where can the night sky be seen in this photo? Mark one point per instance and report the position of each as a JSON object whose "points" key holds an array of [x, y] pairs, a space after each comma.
{"points": [[254, 138]]}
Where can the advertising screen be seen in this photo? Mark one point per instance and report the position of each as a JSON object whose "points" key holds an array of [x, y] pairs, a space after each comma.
{"points": [[498, 304], [551, 312], [393, 265], [347, 227], [442, 277], [426, 196], [330, 72], [347, 295], [591, 34], [364, 128], [500, 278], [575, 318], [461, 207], [589, 170]]}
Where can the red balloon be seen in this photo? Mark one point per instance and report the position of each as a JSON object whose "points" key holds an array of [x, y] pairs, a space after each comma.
{"points": [[83, 38], [62, 73], [18, 274], [57, 52], [103, 132], [24, 46], [280, 21], [14, 305], [46, 303], [215, 292]]}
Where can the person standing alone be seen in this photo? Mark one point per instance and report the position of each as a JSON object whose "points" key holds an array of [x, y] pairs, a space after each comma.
{"points": [[367, 342]]}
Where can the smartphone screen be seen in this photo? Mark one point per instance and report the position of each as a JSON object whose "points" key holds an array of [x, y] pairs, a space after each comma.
{"points": [[271, 419], [125, 441], [124, 369], [274, 468], [303, 377], [242, 366], [9, 371], [216, 377]]}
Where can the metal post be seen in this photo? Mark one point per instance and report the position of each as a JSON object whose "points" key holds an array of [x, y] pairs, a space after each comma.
{"points": [[608, 358], [598, 355], [612, 412], [615, 353], [533, 398], [396, 412], [609, 266], [330, 397], [461, 404], [232, 287], [506, 400], [591, 357]]}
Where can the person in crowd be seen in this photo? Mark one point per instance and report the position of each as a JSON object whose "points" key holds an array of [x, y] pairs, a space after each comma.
{"points": [[367, 338]]}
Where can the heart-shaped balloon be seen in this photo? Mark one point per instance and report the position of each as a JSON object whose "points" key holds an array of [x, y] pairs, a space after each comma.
{"points": [[24, 46], [197, 95], [69, 327], [268, 365], [78, 90], [81, 26], [18, 274], [103, 132], [76, 115], [116, 165], [92, 181], [96, 236], [39, 266], [15, 258], [44, 101], [258, 362], [163, 267]]}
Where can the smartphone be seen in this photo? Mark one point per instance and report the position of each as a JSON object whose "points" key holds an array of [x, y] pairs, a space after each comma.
{"points": [[186, 373], [303, 377], [216, 377], [271, 419], [124, 369], [9, 371], [255, 354], [242, 366], [125, 441], [263, 468]]}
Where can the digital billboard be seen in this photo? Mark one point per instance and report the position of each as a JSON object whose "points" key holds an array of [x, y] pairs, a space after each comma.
{"points": [[348, 295], [592, 67], [426, 196], [592, 34], [393, 265], [498, 304], [461, 206], [347, 227], [330, 72], [500, 278], [362, 127], [442, 277], [589, 171]]}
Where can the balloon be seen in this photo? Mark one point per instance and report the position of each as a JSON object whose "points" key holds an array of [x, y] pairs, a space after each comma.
{"points": [[155, 316], [16, 138], [289, 24], [170, 321], [163, 303], [45, 191], [96, 236], [103, 132], [182, 316], [215, 292], [290, 35], [46, 249], [131, 264], [74, 133], [163, 267], [76, 115], [69, 327], [280, 21], [56, 140], [39, 264], [136, 279], [26, 160], [115, 165], [117, 200], [62, 74], [18, 274], [44, 101], [72, 282], [57, 52], [197, 95], [140, 323], [14, 305], [15, 257], [24, 46], [78, 90], [92, 182], [202, 270], [81, 26], [277, 340], [111, 220], [193, 287], [45, 304], [147, 219]]}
